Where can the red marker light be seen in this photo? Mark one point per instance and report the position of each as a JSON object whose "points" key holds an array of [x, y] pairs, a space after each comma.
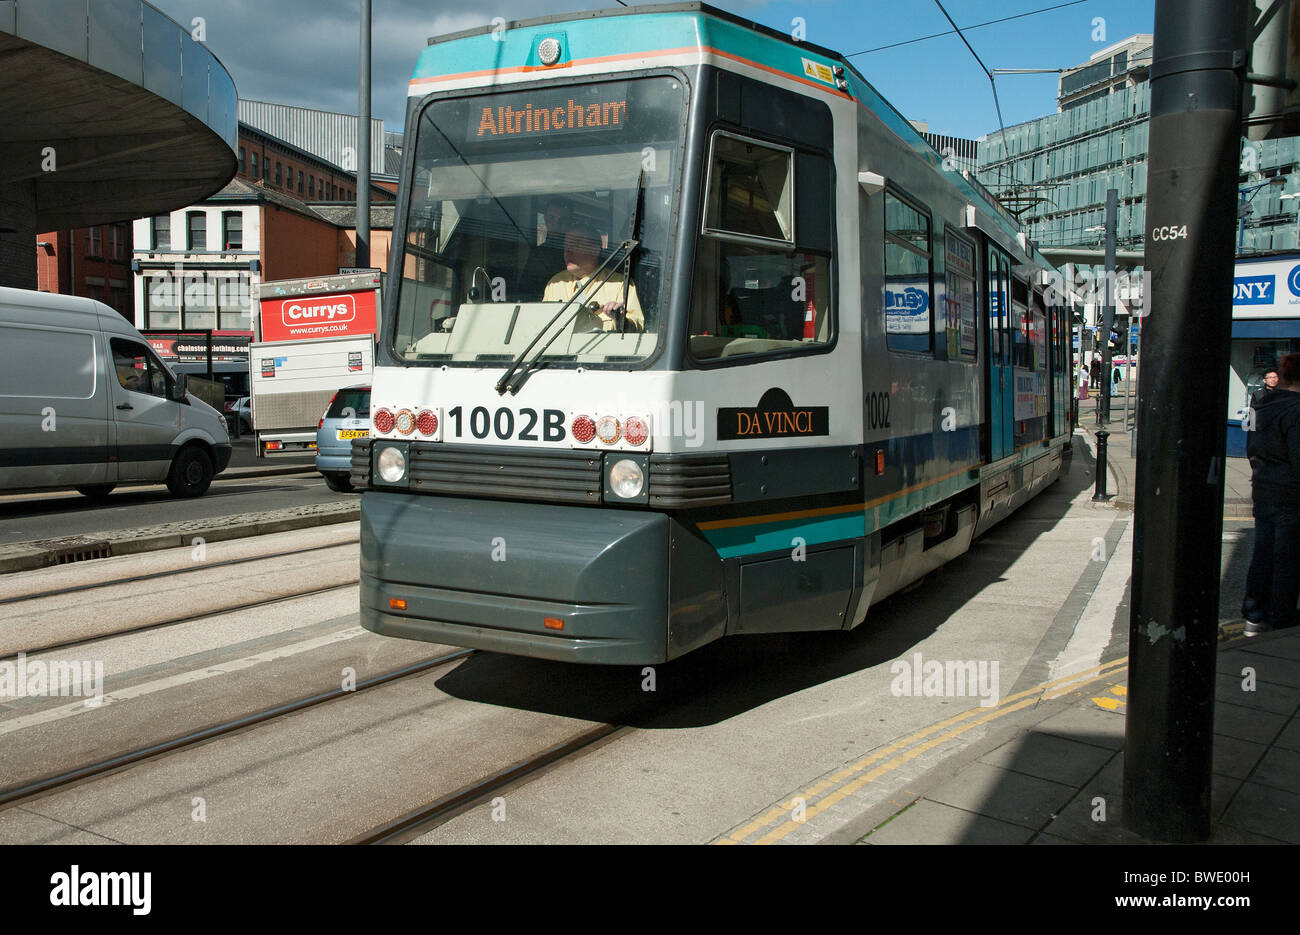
{"points": [[584, 429], [551, 623], [426, 422], [636, 431], [384, 421]]}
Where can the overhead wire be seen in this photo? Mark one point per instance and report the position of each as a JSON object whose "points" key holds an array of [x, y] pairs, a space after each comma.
{"points": [[949, 32]]}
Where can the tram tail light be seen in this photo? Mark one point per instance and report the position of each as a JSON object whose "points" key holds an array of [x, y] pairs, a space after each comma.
{"points": [[397, 603], [384, 420], [610, 431], [880, 461], [635, 431], [552, 623], [583, 429]]}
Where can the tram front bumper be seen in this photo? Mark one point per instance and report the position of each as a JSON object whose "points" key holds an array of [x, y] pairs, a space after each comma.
{"points": [[489, 575]]}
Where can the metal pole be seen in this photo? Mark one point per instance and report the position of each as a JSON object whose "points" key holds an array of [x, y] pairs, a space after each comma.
{"points": [[1132, 435], [363, 144], [1108, 311], [1241, 219], [1192, 163], [1099, 490]]}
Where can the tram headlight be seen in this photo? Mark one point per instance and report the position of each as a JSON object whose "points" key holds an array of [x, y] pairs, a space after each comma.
{"points": [[390, 464], [626, 479]]}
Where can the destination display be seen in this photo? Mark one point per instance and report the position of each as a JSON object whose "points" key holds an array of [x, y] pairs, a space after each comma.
{"points": [[550, 112]]}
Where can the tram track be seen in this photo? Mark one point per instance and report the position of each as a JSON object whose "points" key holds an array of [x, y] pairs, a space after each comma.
{"points": [[152, 576], [426, 818], [158, 625], [89, 611], [18, 795]]}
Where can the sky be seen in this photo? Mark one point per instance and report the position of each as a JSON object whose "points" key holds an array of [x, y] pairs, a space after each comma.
{"points": [[305, 52]]}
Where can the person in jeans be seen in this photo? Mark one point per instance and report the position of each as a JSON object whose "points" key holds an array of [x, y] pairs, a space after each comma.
{"points": [[1273, 582]]}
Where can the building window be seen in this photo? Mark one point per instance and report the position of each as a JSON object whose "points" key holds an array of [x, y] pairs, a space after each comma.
{"points": [[197, 223], [94, 244], [300, 181], [311, 186], [253, 165], [234, 301], [232, 230], [241, 160], [162, 232], [277, 174], [115, 241]]}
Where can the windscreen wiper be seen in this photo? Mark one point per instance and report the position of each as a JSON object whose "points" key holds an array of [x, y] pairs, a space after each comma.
{"points": [[624, 249], [638, 213]]}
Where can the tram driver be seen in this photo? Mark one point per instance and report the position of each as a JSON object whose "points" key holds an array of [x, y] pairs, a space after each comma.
{"points": [[581, 247]]}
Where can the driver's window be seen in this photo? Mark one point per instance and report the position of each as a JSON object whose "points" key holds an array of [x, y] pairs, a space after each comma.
{"points": [[758, 288], [136, 369]]}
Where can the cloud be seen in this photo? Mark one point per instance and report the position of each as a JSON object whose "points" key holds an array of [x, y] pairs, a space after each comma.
{"points": [[306, 52]]}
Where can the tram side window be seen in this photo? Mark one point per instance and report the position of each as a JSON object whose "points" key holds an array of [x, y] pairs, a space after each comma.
{"points": [[1021, 326], [908, 267], [761, 285], [1038, 334], [959, 298]]}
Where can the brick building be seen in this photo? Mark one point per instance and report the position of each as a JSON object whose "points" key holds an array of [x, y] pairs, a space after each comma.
{"points": [[90, 261]]}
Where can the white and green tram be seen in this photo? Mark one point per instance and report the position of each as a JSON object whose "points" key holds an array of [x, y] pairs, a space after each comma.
{"points": [[690, 334]]}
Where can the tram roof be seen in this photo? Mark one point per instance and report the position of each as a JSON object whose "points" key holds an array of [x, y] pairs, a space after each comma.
{"points": [[676, 18]]}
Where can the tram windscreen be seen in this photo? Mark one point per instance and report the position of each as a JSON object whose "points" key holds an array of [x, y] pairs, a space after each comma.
{"points": [[517, 197]]}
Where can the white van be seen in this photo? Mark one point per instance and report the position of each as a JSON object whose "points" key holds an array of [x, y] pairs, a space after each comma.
{"points": [[85, 403]]}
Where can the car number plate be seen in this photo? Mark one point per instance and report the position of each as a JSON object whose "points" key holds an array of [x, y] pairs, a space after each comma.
{"points": [[354, 433]]}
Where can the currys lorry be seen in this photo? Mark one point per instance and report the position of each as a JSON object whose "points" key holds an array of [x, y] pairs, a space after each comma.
{"points": [[312, 336]]}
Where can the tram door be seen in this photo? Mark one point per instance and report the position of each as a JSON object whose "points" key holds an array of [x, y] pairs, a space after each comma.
{"points": [[1002, 388]]}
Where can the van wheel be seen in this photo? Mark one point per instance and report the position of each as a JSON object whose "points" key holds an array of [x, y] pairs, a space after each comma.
{"points": [[339, 483], [191, 473], [96, 491]]}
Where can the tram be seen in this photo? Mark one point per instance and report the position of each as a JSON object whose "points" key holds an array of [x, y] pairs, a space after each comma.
{"points": [[690, 334]]}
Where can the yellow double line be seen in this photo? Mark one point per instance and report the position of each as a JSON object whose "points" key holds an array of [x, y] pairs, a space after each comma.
{"points": [[844, 783]]}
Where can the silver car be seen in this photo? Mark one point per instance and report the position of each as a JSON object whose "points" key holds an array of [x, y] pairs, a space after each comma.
{"points": [[347, 417]]}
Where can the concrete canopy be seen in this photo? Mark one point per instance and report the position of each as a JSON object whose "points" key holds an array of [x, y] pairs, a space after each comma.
{"points": [[108, 110]]}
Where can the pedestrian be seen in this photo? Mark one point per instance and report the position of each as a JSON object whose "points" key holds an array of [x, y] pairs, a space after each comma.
{"points": [[1273, 446], [1094, 372], [1269, 385], [1114, 382]]}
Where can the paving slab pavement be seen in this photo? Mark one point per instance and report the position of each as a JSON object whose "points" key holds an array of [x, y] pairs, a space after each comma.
{"points": [[1051, 771]]}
